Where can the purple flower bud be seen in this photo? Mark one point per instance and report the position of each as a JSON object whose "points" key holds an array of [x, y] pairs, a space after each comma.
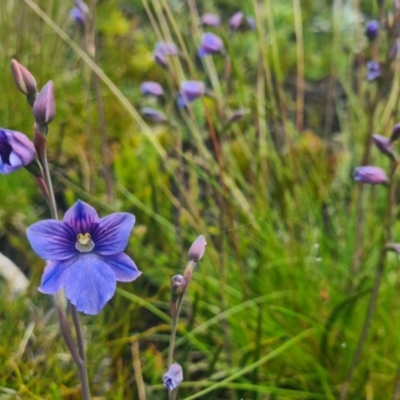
{"points": [[251, 23], [371, 175], [210, 19], [210, 44], [178, 284], [173, 377], [373, 70], [166, 48], [160, 59], [395, 133], [151, 89], [153, 114], [384, 145], [82, 6], [190, 91], [78, 16], [236, 20], [372, 29], [197, 249], [16, 151], [24, 80], [45, 105]]}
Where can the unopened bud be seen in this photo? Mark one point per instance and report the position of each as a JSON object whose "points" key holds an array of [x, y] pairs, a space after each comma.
{"points": [[384, 145], [173, 377], [395, 133], [24, 81], [45, 105], [178, 285], [197, 249], [371, 175]]}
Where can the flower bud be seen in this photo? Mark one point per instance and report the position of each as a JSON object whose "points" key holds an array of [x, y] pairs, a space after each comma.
{"points": [[236, 20], [78, 16], [210, 19], [210, 44], [178, 285], [373, 70], [384, 145], [372, 30], [370, 175], [190, 91], [16, 151], [173, 377], [24, 80], [44, 107], [197, 249], [395, 133], [151, 89], [153, 114]]}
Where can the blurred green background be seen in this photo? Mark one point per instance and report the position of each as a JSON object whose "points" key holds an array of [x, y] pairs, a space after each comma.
{"points": [[273, 194]]}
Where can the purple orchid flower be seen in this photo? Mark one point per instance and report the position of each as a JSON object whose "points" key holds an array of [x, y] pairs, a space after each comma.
{"points": [[80, 12], [236, 20], [84, 255], [162, 50], [16, 151], [373, 70], [210, 19], [151, 89], [173, 377], [153, 114], [370, 175], [190, 91], [210, 44]]}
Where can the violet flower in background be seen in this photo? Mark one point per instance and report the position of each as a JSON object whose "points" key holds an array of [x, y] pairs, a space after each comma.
{"points": [[44, 107], [80, 12], [384, 145], [153, 114], [163, 50], [173, 377], [16, 151], [210, 44], [251, 23], [210, 19], [236, 20], [84, 255], [373, 70], [151, 89], [370, 175], [372, 29], [190, 91]]}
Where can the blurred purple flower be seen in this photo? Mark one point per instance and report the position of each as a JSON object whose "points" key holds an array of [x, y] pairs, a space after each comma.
{"points": [[190, 91], [372, 29], [173, 377], [236, 20], [151, 89], [251, 23], [80, 12], [384, 145], [153, 114], [371, 175], [84, 254], [16, 151], [210, 44], [210, 19], [197, 249], [373, 70], [44, 107], [162, 50]]}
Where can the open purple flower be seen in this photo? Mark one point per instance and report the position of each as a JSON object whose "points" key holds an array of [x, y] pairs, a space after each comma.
{"points": [[153, 114], [16, 151], [373, 70], [174, 376], [84, 255], [370, 175], [210, 44], [151, 89], [190, 91]]}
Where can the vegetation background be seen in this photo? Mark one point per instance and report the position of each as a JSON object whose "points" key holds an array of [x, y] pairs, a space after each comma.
{"points": [[276, 306]]}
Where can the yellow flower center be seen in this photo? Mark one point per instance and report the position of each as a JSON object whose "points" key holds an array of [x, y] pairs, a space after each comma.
{"points": [[84, 242]]}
